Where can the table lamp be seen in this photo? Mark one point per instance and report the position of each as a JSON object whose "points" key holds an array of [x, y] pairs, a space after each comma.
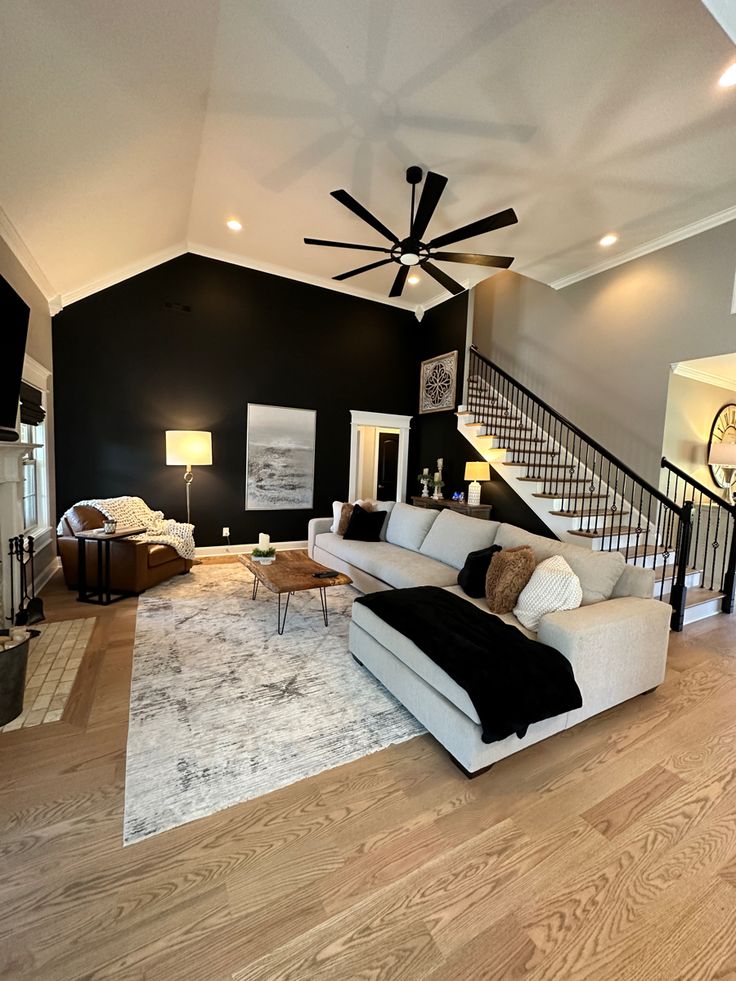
{"points": [[724, 455], [188, 448], [478, 470]]}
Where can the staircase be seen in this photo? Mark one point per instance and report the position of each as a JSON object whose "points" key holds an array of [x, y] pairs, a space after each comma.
{"points": [[588, 497]]}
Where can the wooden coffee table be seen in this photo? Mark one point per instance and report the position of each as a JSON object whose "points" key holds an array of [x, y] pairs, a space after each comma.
{"points": [[292, 572]]}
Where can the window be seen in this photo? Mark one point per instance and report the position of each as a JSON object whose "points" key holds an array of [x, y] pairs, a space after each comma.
{"points": [[32, 475], [33, 432]]}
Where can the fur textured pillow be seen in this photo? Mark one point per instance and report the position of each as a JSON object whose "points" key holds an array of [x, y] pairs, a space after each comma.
{"points": [[552, 587], [346, 514], [509, 572]]}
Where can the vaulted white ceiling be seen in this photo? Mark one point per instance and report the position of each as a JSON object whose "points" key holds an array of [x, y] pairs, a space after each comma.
{"points": [[130, 130]]}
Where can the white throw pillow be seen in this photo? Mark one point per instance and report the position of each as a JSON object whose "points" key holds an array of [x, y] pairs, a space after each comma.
{"points": [[552, 587]]}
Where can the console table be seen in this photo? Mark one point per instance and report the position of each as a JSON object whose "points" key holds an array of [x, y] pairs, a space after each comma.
{"points": [[462, 507]]}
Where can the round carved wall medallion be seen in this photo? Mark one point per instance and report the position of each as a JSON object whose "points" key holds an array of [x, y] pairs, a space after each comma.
{"points": [[723, 430]]}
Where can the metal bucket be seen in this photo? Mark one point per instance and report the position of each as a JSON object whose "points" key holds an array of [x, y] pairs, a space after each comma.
{"points": [[13, 664]]}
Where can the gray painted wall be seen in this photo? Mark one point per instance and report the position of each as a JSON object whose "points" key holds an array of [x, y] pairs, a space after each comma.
{"points": [[600, 351]]}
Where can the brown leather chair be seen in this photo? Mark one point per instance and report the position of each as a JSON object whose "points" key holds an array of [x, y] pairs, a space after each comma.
{"points": [[134, 566]]}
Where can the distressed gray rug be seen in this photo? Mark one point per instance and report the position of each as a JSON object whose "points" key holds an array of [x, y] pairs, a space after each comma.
{"points": [[223, 710]]}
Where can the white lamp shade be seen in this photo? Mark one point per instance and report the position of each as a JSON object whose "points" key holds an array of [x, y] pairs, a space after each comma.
{"points": [[479, 470], [722, 455], [188, 448]]}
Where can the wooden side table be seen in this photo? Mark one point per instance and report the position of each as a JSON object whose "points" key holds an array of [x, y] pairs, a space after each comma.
{"points": [[473, 511], [103, 595]]}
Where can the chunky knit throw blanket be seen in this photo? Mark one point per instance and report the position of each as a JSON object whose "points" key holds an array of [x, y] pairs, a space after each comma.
{"points": [[134, 511]]}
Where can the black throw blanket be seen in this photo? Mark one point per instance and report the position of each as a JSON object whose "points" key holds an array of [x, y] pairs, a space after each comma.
{"points": [[512, 681]]}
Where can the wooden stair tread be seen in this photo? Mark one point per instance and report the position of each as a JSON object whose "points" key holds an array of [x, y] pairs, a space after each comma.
{"points": [[643, 551], [539, 466], [668, 571], [588, 512], [610, 532], [698, 594], [561, 482], [579, 497]]}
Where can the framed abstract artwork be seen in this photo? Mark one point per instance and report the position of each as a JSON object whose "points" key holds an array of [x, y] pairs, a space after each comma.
{"points": [[279, 458], [437, 383]]}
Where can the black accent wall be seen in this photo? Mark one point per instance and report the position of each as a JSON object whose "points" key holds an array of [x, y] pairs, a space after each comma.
{"points": [[436, 434], [187, 345]]}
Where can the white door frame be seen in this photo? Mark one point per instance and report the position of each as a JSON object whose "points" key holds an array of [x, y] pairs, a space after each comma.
{"points": [[380, 420]]}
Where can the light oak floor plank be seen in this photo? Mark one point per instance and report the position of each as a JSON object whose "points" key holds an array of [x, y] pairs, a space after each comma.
{"points": [[608, 851]]}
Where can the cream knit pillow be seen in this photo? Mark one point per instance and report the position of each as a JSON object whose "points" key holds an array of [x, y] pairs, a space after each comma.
{"points": [[552, 587]]}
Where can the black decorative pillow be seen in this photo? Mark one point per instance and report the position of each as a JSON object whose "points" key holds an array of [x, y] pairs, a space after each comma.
{"points": [[364, 526], [472, 576]]}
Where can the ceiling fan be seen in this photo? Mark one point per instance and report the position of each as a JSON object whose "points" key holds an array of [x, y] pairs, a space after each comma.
{"points": [[412, 251]]}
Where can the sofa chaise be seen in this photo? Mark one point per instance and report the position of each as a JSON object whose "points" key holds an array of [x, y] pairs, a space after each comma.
{"points": [[616, 640]]}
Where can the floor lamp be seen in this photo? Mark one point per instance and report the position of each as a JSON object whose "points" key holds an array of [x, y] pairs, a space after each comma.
{"points": [[188, 448]]}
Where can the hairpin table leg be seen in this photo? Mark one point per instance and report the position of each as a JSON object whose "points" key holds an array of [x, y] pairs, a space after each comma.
{"points": [[255, 587], [282, 622], [323, 600]]}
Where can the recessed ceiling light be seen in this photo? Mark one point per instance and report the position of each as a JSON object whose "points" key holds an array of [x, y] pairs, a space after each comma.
{"points": [[608, 240], [728, 78], [413, 279], [233, 224]]}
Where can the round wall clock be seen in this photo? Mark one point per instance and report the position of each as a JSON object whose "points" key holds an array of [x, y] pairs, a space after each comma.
{"points": [[723, 430]]}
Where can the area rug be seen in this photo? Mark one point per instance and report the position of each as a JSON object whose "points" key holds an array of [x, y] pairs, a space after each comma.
{"points": [[223, 710]]}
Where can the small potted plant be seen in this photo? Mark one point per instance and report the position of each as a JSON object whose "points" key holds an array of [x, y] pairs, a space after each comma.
{"points": [[264, 555]]}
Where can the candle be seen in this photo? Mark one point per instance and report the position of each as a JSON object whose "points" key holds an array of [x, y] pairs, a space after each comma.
{"points": [[437, 476], [426, 471], [264, 541], [439, 463]]}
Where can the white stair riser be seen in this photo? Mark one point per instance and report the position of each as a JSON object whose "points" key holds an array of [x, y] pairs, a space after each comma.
{"points": [[692, 579], [702, 611]]}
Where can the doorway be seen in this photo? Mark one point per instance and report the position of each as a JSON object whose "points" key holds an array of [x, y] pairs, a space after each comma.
{"points": [[387, 466], [379, 450]]}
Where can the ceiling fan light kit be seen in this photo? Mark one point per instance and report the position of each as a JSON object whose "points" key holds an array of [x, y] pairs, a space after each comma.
{"points": [[412, 250]]}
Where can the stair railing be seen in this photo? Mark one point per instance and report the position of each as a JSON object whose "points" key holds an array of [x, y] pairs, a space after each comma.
{"points": [[713, 541], [583, 480]]}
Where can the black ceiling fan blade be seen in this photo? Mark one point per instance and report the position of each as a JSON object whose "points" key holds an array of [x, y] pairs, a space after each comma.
{"points": [[434, 185], [357, 208], [442, 278], [345, 245], [500, 220], [398, 288], [362, 269], [472, 258]]}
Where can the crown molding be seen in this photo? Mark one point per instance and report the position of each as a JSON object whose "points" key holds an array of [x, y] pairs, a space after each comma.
{"points": [[36, 374], [678, 235], [706, 377], [123, 273], [15, 242], [223, 255]]}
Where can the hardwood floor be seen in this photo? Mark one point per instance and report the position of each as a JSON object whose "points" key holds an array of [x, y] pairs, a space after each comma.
{"points": [[608, 851]]}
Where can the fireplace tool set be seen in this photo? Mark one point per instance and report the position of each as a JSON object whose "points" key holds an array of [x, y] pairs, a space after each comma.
{"points": [[21, 553]]}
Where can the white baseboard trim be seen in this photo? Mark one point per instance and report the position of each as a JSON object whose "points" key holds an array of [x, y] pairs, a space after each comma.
{"points": [[43, 577], [204, 550]]}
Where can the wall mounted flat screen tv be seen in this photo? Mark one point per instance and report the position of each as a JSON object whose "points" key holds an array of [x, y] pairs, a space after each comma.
{"points": [[13, 333]]}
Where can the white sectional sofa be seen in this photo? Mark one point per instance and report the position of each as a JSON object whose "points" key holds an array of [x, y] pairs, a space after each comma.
{"points": [[616, 641]]}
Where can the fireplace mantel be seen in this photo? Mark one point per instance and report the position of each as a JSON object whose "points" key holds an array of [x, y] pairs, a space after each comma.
{"points": [[11, 511]]}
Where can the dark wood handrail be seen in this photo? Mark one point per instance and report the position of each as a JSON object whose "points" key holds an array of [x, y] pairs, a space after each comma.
{"points": [[701, 488], [601, 450]]}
